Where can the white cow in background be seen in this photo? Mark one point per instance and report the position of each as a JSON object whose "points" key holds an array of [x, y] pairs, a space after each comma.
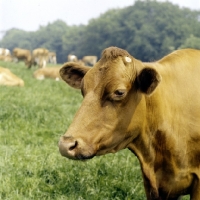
{"points": [[4, 52], [89, 60], [52, 58], [72, 58]]}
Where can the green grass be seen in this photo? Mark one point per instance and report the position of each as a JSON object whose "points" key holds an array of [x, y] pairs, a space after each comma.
{"points": [[32, 119]]}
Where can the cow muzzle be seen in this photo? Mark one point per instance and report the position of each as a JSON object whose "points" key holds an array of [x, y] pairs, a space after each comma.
{"points": [[75, 149]]}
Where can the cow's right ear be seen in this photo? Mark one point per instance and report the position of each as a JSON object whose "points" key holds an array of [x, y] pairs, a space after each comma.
{"points": [[72, 73]]}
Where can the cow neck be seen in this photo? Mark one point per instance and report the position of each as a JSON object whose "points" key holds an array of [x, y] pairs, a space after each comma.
{"points": [[142, 146]]}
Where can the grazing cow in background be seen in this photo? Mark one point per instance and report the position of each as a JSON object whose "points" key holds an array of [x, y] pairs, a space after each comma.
{"points": [[23, 55], [72, 58], [9, 79], [47, 72], [89, 60], [4, 52], [5, 55], [153, 109], [40, 57], [52, 58]]}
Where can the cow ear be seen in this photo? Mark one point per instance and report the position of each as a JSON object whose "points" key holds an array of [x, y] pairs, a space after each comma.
{"points": [[148, 79], [73, 73]]}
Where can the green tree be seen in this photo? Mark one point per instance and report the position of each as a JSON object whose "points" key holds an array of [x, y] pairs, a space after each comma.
{"points": [[16, 38], [50, 37], [191, 42], [148, 30], [71, 41]]}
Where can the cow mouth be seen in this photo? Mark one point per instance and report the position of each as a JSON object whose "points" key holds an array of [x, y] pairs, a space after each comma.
{"points": [[79, 156], [82, 157]]}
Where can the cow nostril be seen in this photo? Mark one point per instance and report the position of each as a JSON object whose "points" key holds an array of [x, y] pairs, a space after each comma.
{"points": [[73, 145], [67, 145]]}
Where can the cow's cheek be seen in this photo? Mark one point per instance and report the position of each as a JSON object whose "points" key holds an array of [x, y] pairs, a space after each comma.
{"points": [[95, 130]]}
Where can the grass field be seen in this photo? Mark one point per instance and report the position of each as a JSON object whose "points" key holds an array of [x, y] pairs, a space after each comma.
{"points": [[32, 119]]}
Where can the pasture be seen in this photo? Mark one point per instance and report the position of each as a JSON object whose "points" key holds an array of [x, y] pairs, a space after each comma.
{"points": [[32, 119]]}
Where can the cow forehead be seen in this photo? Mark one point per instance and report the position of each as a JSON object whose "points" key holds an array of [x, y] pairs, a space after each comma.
{"points": [[115, 66], [110, 75], [104, 71]]}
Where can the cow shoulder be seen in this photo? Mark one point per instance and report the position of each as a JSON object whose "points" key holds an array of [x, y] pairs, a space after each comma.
{"points": [[72, 73]]}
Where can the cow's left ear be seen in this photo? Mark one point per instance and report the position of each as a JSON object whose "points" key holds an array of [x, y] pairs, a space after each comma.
{"points": [[73, 73], [148, 79]]}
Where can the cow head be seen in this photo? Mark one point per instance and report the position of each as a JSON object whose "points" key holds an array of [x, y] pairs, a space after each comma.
{"points": [[112, 111]]}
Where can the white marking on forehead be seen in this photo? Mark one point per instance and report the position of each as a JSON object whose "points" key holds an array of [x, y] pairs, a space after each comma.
{"points": [[128, 59]]}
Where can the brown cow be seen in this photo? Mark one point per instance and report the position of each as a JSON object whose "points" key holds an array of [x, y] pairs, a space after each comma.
{"points": [[47, 72], [22, 54], [153, 109], [89, 60], [9, 79], [40, 57]]}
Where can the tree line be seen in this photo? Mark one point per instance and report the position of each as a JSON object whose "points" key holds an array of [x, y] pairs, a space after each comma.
{"points": [[148, 30]]}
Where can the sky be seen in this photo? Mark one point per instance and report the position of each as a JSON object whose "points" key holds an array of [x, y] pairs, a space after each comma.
{"points": [[29, 15]]}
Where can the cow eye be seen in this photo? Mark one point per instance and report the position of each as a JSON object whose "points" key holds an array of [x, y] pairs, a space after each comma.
{"points": [[119, 94]]}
